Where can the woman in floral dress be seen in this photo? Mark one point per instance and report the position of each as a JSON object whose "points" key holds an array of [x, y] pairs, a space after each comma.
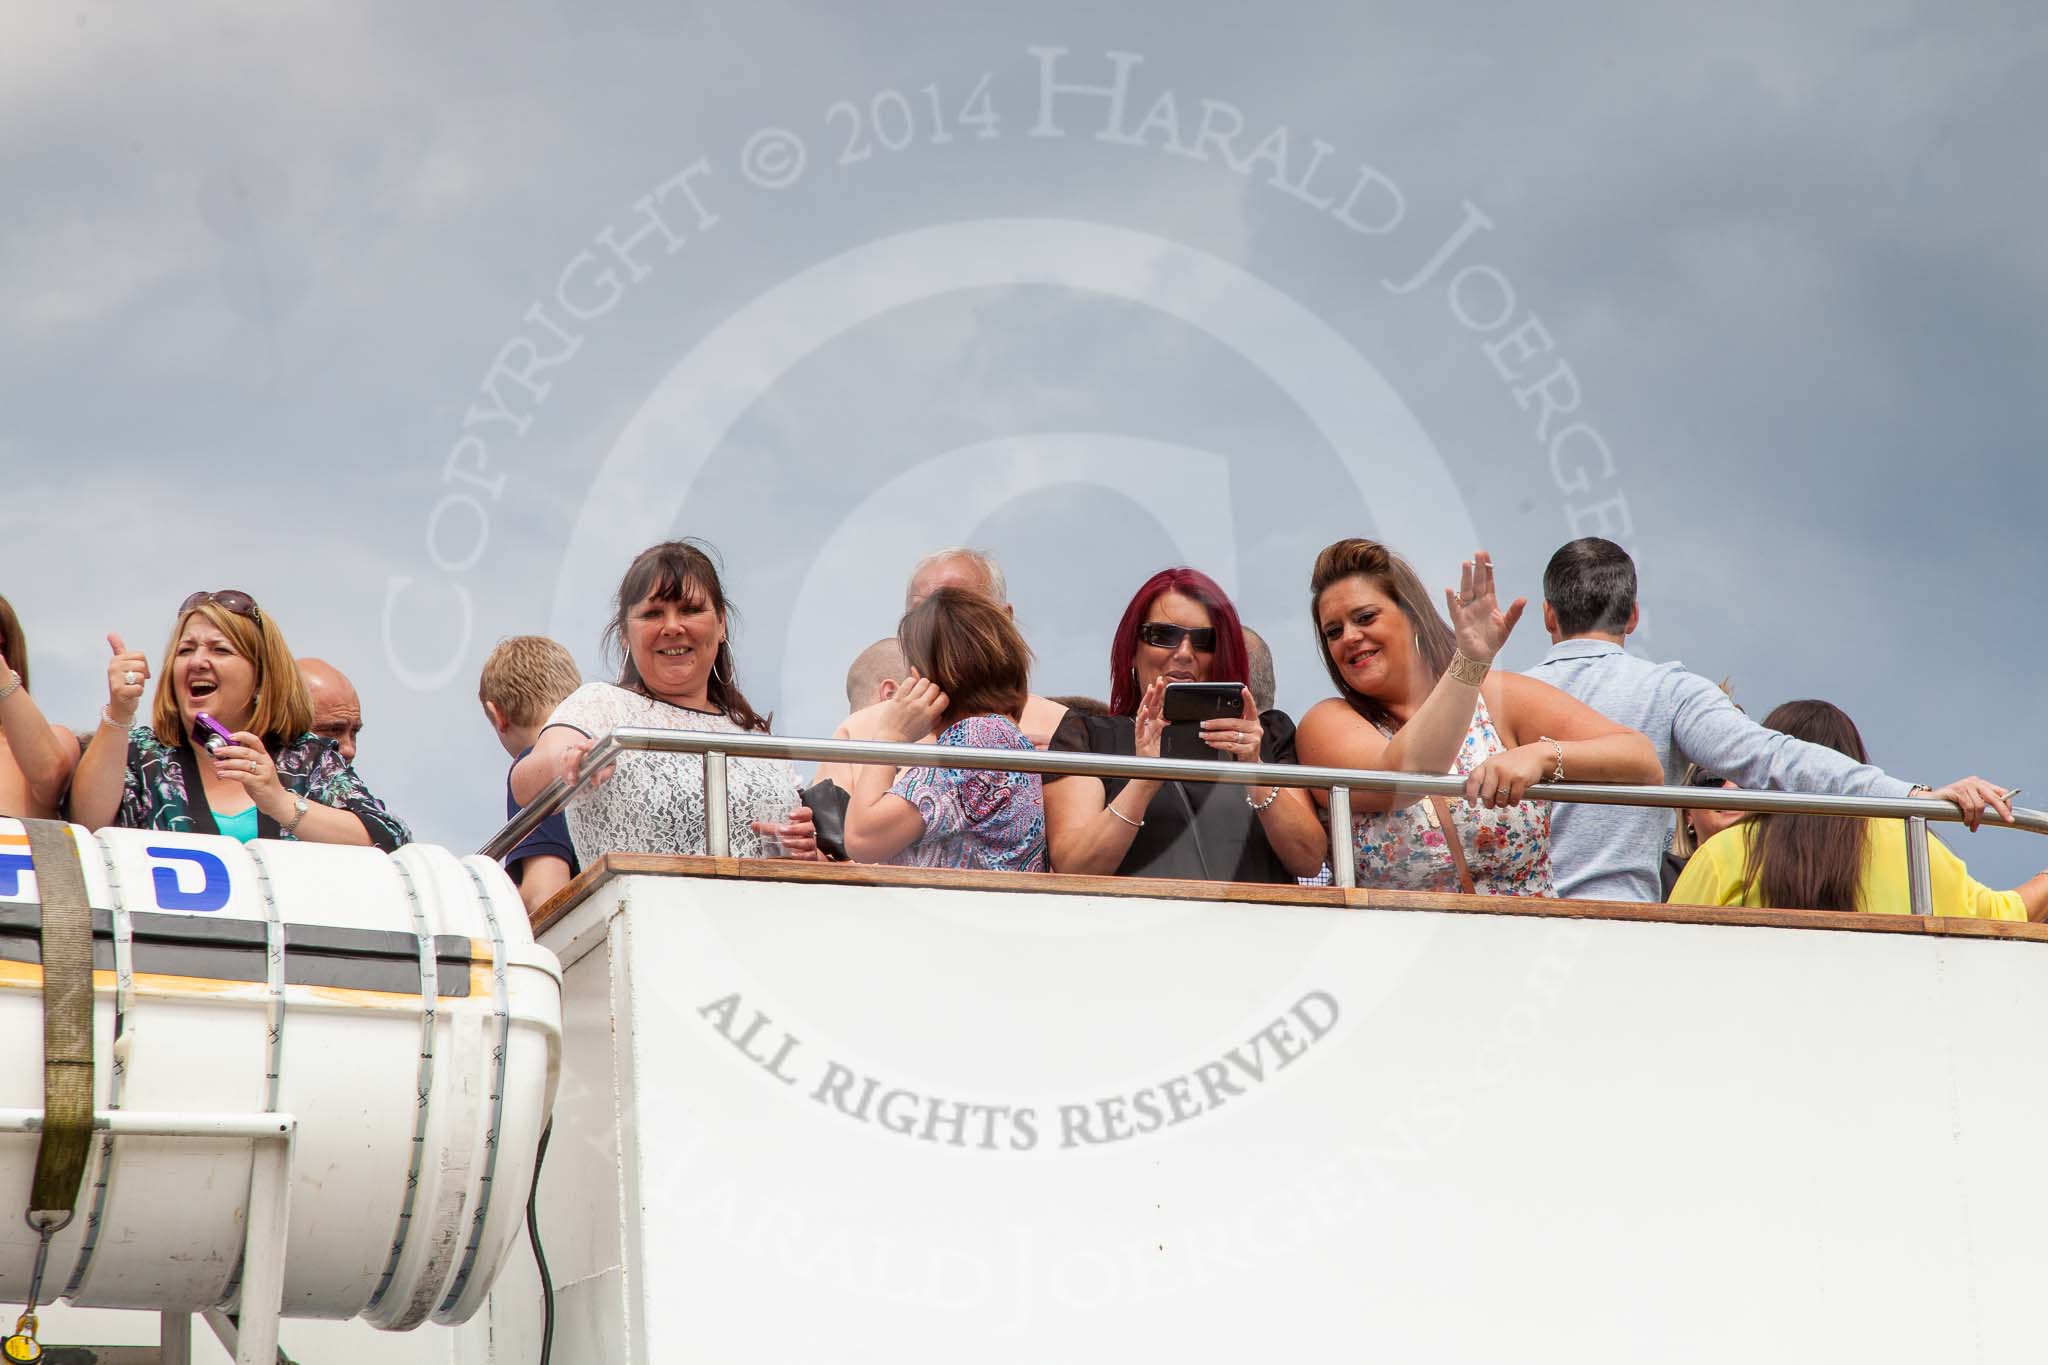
{"points": [[1417, 695]]}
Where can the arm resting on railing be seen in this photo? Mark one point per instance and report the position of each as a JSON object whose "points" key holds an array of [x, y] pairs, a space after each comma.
{"points": [[1150, 771]]}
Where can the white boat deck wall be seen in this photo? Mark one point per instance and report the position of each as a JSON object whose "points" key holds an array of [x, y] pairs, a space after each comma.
{"points": [[1524, 1136]]}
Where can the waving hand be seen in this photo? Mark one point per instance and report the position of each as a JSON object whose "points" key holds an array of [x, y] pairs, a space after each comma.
{"points": [[1478, 622]]}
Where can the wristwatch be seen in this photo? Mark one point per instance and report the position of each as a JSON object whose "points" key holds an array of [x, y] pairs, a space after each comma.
{"points": [[299, 806], [11, 686]]}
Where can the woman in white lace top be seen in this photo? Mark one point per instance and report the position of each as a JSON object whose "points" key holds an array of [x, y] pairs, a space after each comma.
{"points": [[676, 673]]}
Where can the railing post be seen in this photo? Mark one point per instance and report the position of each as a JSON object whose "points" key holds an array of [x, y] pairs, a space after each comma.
{"points": [[717, 812], [1918, 879], [1343, 861]]}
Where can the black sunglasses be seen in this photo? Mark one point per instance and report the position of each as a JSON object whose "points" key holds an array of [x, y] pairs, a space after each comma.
{"points": [[234, 599], [1165, 635], [1707, 780]]}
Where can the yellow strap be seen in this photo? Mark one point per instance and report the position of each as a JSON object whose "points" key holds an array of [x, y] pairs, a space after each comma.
{"points": [[67, 1023]]}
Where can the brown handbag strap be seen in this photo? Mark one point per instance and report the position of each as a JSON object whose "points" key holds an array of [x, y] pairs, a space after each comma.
{"points": [[1454, 845]]}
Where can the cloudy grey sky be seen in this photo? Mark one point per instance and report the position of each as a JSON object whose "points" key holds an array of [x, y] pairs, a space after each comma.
{"points": [[361, 308]]}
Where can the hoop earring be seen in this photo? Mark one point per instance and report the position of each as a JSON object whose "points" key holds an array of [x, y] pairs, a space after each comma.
{"points": [[724, 654]]}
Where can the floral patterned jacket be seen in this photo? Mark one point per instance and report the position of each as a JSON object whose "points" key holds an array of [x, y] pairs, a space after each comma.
{"points": [[163, 790]]}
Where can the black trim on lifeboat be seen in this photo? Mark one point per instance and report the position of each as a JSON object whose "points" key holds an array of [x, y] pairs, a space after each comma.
{"points": [[226, 949]]}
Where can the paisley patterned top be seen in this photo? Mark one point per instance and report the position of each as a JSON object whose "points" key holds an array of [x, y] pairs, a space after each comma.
{"points": [[163, 790], [1507, 850], [974, 817]]}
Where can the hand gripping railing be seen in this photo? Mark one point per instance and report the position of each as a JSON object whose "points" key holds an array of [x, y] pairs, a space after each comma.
{"points": [[717, 749]]}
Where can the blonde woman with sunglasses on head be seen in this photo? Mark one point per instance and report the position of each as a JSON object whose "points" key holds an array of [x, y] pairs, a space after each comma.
{"points": [[255, 771]]}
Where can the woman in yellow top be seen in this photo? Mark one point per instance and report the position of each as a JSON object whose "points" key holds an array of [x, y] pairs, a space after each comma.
{"points": [[1822, 862]]}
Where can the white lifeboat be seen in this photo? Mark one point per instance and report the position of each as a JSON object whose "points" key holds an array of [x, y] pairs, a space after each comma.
{"points": [[393, 1007]]}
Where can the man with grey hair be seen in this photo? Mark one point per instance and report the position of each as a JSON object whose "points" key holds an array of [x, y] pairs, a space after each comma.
{"points": [[1259, 659], [956, 566]]}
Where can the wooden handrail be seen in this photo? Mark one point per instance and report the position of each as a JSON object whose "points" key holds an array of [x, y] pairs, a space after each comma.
{"points": [[613, 865]]}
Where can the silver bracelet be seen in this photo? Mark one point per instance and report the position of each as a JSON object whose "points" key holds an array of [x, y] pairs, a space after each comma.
{"points": [[1271, 797], [108, 720], [13, 685], [1110, 806]]}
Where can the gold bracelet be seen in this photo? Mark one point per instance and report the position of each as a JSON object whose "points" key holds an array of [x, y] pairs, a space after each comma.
{"points": [[1468, 670], [1557, 775]]}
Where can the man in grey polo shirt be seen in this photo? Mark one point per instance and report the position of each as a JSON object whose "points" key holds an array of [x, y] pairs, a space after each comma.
{"points": [[1612, 852]]}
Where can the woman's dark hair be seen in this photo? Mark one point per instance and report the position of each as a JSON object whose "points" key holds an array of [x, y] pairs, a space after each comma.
{"points": [[681, 571], [1591, 584], [1229, 663], [13, 643], [970, 647], [1809, 862], [1392, 575]]}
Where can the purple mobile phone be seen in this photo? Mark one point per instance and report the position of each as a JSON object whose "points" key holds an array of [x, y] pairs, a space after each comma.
{"points": [[211, 732]]}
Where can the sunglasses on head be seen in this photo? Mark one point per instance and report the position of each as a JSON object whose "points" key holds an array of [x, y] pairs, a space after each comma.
{"points": [[1707, 780], [234, 599], [1165, 635]]}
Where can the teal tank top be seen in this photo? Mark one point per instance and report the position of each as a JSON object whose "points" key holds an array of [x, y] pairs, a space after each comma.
{"points": [[241, 826]]}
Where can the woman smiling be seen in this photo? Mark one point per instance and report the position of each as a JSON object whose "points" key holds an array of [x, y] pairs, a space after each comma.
{"points": [[267, 778], [675, 673], [1180, 626], [1418, 696]]}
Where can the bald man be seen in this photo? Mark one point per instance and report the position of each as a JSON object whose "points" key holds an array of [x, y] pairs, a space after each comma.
{"points": [[872, 680], [337, 713], [1259, 659], [875, 674]]}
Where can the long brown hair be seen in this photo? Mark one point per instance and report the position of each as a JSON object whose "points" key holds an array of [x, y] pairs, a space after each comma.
{"points": [[1809, 862], [676, 571], [13, 643], [971, 648], [1392, 575]]}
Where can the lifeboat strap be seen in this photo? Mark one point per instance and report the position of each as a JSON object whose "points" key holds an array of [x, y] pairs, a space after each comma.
{"points": [[67, 1024]]}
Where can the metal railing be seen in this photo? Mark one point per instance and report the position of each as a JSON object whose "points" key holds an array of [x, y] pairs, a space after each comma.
{"points": [[718, 749]]}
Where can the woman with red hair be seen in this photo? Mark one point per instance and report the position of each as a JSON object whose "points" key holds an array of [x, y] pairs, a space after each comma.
{"points": [[1179, 627]]}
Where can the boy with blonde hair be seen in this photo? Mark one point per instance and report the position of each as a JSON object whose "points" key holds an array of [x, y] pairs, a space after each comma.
{"points": [[523, 681]]}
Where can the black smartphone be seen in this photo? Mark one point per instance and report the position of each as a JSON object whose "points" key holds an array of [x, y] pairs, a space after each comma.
{"points": [[1186, 706]]}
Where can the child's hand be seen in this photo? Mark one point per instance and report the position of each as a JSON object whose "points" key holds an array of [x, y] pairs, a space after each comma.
{"points": [[914, 712]]}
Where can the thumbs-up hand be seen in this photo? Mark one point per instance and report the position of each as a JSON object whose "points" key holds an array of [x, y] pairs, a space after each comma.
{"points": [[126, 673]]}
